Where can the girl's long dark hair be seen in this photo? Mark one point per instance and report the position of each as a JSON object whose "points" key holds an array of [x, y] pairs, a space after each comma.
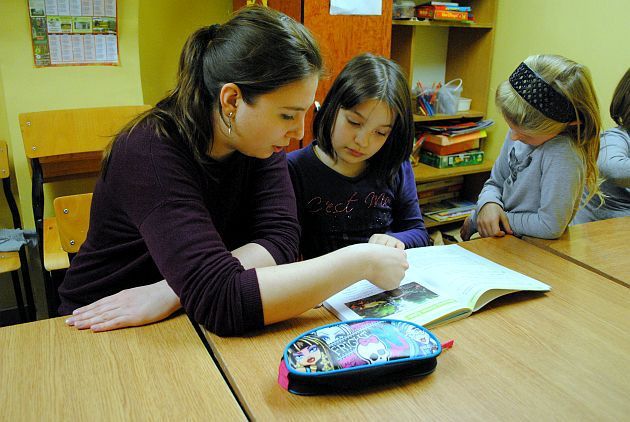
{"points": [[370, 77], [620, 104], [259, 49]]}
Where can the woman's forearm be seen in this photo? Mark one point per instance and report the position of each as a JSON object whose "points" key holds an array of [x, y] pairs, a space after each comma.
{"points": [[253, 255], [288, 290]]}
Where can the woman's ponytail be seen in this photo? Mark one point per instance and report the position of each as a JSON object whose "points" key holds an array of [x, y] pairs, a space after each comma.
{"points": [[190, 103]]}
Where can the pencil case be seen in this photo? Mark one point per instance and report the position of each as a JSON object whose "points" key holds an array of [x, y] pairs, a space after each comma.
{"points": [[350, 355]]}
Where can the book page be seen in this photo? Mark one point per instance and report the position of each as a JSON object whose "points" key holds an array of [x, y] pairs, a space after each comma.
{"points": [[467, 277], [412, 301], [443, 283]]}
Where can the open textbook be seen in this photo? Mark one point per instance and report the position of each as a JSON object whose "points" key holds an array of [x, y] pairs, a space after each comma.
{"points": [[442, 284]]}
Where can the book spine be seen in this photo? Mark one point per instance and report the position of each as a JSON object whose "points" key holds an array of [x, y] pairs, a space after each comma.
{"points": [[450, 15], [451, 149], [439, 191], [437, 139], [421, 187], [440, 197], [450, 140], [454, 160], [453, 8]]}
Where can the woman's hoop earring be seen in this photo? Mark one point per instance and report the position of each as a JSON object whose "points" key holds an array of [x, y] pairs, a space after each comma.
{"points": [[230, 123]]}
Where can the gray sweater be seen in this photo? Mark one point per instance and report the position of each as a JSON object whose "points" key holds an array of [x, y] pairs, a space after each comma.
{"points": [[538, 187], [614, 167]]}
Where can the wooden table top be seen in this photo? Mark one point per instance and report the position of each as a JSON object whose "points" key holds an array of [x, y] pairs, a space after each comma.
{"points": [[599, 246], [560, 355], [50, 371]]}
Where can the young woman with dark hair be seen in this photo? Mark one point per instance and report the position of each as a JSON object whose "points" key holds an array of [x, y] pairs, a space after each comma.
{"points": [[194, 207]]}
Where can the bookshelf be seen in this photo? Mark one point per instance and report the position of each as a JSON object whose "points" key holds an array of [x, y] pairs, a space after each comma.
{"points": [[469, 57], [425, 173], [473, 115]]}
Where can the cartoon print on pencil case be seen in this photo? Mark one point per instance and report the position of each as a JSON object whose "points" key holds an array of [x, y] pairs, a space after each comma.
{"points": [[372, 350], [332, 334], [426, 344], [310, 355], [307, 358]]}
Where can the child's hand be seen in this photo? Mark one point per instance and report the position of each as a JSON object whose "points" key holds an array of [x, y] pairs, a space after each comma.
{"points": [[493, 221], [385, 266], [128, 308], [467, 230], [386, 240]]}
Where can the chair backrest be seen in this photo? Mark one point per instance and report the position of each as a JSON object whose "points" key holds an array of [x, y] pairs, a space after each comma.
{"points": [[4, 161], [60, 145], [5, 175], [59, 132], [73, 219]]}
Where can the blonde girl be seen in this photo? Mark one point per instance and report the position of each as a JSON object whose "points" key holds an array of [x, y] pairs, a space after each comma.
{"points": [[549, 154]]}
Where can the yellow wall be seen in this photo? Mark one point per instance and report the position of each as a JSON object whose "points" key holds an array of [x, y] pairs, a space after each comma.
{"points": [[27, 88], [151, 34], [164, 27], [5, 215], [595, 34]]}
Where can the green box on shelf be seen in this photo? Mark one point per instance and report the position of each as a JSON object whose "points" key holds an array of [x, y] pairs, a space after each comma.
{"points": [[469, 158]]}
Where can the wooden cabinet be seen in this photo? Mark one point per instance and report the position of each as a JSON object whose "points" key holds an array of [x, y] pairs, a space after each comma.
{"points": [[468, 56], [340, 38]]}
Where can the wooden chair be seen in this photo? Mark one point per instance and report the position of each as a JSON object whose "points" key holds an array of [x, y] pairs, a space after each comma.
{"points": [[14, 261], [62, 145], [73, 220]]}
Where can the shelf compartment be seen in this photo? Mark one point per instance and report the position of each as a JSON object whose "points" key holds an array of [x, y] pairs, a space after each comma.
{"points": [[438, 117], [442, 24], [424, 173], [430, 223]]}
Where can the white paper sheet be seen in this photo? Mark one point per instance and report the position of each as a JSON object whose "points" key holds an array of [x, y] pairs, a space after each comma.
{"points": [[356, 7]]}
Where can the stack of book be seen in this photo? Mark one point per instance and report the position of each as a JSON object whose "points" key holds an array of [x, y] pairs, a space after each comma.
{"points": [[439, 190], [448, 210], [445, 11], [453, 145]]}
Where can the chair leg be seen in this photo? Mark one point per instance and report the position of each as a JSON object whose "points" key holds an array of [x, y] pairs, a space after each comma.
{"points": [[28, 288], [17, 223], [37, 200], [52, 297], [18, 295]]}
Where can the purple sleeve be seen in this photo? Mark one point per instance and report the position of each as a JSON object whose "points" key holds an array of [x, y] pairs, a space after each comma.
{"points": [[275, 225], [163, 197], [213, 287], [408, 224]]}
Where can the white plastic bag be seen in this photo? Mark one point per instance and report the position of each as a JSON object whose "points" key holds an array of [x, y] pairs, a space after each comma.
{"points": [[448, 97]]}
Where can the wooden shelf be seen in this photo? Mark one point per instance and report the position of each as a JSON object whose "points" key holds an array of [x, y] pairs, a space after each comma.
{"points": [[424, 173], [442, 24], [430, 223], [465, 115]]}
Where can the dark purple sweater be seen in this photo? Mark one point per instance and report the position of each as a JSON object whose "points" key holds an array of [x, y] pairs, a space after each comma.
{"points": [[337, 211], [158, 214]]}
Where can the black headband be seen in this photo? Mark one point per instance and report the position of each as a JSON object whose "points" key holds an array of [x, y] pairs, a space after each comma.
{"points": [[540, 95]]}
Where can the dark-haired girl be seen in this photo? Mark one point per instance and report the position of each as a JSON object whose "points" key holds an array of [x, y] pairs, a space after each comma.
{"points": [[355, 184]]}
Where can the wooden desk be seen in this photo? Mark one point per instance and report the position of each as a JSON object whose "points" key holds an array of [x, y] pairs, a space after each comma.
{"points": [[561, 355], [599, 246], [159, 372]]}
